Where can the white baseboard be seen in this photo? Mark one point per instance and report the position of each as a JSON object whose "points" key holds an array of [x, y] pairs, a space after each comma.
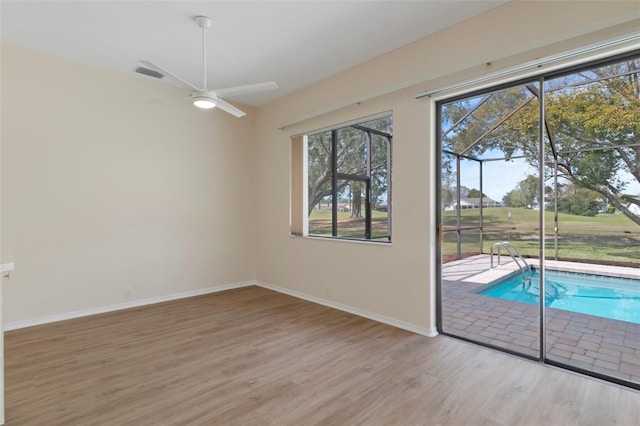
{"points": [[125, 305], [430, 332]]}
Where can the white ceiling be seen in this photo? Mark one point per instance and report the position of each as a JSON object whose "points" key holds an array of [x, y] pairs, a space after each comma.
{"points": [[295, 43]]}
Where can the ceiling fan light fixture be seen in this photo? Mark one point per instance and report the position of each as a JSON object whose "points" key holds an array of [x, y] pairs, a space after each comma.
{"points": [[204, 102], [202, 97]]}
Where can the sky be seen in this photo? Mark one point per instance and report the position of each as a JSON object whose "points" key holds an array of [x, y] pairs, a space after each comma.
{"points": [[500, 177]]}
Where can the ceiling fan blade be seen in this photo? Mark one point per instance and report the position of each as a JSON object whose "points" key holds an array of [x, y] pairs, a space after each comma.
{"points": [[248, 88], [227, 107], [161, 70]]}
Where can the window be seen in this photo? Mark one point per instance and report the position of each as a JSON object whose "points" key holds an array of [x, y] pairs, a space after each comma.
{"points": [[341, 181]]}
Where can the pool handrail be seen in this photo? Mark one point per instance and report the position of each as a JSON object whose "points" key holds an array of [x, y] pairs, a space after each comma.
{"points": [[508, 246]]}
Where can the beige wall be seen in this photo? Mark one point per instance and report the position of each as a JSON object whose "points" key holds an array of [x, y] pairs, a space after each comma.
{"points": [[102, 190], [396, 281]]}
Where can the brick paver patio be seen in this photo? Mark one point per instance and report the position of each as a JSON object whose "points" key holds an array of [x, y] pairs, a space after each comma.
{"points": [[602, 345]]}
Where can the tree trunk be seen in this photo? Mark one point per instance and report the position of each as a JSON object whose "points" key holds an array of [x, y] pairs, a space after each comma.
{"points": [[356, 203]]}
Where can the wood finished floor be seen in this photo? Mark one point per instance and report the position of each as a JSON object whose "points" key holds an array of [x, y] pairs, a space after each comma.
{"points": [[255, 357]]}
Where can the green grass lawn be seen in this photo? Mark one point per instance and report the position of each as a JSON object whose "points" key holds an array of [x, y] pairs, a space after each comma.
{"points": [[529, 219], [326, 215], [320, 224], [607, 238]]}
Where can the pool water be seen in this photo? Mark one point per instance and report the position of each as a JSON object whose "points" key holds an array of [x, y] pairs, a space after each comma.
{"points": [[608, 297]]}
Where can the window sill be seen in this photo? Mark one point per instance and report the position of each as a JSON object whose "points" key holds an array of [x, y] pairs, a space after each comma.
{"points": [[343, 240]]}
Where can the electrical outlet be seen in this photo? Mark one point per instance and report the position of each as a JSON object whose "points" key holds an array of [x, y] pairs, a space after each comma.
{"points": [[327, 292], [128, 292]]}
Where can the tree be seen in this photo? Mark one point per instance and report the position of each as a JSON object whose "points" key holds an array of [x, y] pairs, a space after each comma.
{"points": [[578, 201], [475, 193], [319, 168], [513, 199], [524, 194], [592, 127], [448, 185], [604, 112], [352, 143], [528, 188]]}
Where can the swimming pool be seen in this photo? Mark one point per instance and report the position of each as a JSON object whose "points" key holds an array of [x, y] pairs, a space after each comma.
{"points": [[608, 297]]}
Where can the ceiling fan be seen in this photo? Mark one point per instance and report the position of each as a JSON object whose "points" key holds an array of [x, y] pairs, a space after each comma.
{"points": [[203, 97]]}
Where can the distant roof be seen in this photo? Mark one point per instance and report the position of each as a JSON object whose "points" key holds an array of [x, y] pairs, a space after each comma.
{"points": [[476, 200]]}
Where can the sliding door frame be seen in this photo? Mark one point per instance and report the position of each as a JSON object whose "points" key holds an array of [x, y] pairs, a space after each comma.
{"points": [[439, 152]]}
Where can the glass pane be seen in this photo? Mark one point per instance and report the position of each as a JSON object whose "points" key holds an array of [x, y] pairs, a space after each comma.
{"points": [[593, 283], [352, 151], [380, 185], [449, 246], [320, 218], [505, 216], [351, 209], [319, 181], [471, 308], [449, 190], [494, 125], [493, 143], [468, 242]]}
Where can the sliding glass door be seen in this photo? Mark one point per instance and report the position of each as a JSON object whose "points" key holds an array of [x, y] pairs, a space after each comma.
{"points": [[539, 218], [483, 157], [593, 266]]}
